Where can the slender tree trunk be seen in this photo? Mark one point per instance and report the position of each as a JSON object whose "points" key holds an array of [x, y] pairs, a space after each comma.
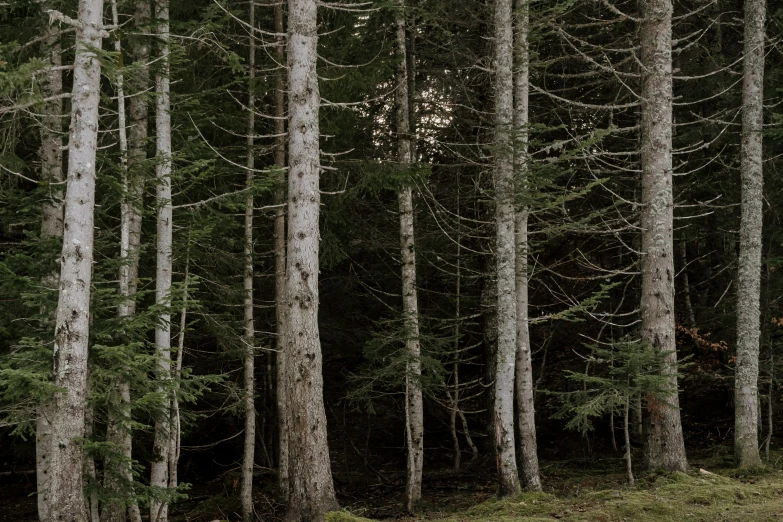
{"points": [[746, 394], [92, 502], [51, 227], [311, 486], [638, 418], [612, 430], [176, 425], [159, 476], [43, 437], [627, 435], [505, 252], [489, 334], [664, 445], [453, 417], [280, 240], [770, 397], [118, 475], [248, 456], [528, 456], [468, 438], [51, 138], [414, 407], [72, 327], [455, 368]]}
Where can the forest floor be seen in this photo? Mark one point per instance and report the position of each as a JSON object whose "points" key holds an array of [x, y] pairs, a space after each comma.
{"points": [[575, 491], [722, 495]]}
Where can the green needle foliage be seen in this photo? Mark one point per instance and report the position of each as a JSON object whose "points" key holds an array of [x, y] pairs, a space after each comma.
{"points": [[616, 374]]}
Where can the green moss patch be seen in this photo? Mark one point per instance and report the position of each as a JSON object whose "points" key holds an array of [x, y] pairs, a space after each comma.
{"points": [[676, 497]]}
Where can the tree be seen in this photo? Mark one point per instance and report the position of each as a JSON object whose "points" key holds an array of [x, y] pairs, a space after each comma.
{"points": [[118, 473], [248, 337], [623, 371], [51, 227], [414, 407], [72, 327], [664, 445], [746, 394], [505, 252], [280, 241], [159, 471], [528, 452], [311, 488]]}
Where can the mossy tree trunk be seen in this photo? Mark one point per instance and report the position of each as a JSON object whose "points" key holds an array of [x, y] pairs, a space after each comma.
{"points": [[746, 392], [503, 423], [526, 412], [664, 445]]}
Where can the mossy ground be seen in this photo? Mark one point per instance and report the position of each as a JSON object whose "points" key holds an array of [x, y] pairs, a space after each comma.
{"points": [[677, 497], [344, 516], [589, 490], [595, 495]]}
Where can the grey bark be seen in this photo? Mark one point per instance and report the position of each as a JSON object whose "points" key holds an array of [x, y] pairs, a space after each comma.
{"points": [[455, 368], [92, 502], [489, 337], [454, 403], [175, 437], [414, 407], [118, 475], [505, 450], [664, 445], [72, 326], [627, 437], [746, 394], [248, 455], [526, 412], [311, 486], [280, 240], [159, 472], [637, 418], [51, 227], [770, 405]]}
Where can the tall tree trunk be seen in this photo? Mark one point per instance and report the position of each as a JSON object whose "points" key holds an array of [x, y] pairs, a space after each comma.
{"points": [[746, 393], [664, 445], [455, 368], [175, 437], [627, 438], [118, 475], [505, 252], [248, 456], [770, 403], [454, 405], [311, 486], [489, 336], [72, 327], [280, 297], [159, 475], [51, 227], [92, 502], [528, 456], [414, 407]]}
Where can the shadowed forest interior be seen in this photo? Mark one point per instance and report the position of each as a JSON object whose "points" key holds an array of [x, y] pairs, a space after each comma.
{"points": [[394, 259]]}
